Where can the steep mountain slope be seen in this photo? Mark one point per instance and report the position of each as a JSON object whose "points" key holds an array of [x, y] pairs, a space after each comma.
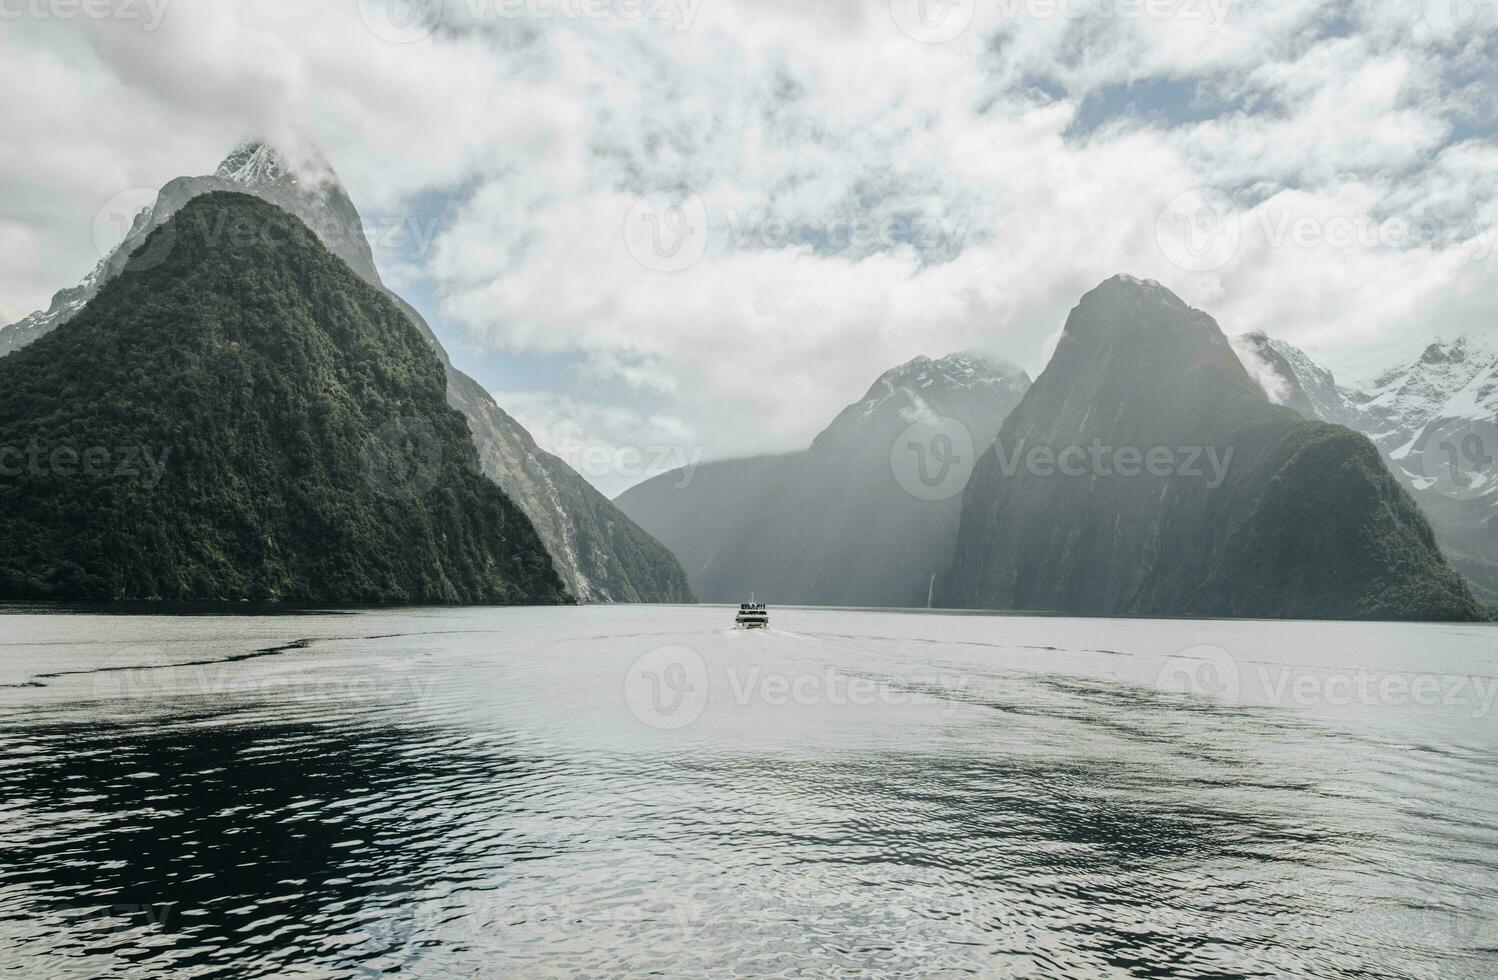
{"points": [[1434, 420], [608, 557], [601, 555], [299, 441], [1247, 509], [866, 516]]}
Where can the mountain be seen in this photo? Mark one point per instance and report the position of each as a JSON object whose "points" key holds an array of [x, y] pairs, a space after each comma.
{"points": [[1434, 420], [604, 555], [1405, 400], [1291, 378], [1146, 472], [243, 417], [867, 516], [311, 192], [601, 555]]}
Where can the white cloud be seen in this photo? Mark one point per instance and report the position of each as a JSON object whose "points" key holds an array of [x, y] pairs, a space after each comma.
{"points": [[791, 121]]}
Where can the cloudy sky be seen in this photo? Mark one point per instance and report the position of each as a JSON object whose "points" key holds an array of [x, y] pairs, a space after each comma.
{"points": [[705, 226]]}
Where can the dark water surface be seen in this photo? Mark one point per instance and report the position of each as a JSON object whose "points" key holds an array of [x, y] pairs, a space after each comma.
{"points": [[604, 792]]}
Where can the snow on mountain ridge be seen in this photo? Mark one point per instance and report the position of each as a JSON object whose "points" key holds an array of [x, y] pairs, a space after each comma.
{"points": [[304, 184], [1405, 400], [957, 372], [961, 369], [253, 164], [256, 163], [1433, 419]]}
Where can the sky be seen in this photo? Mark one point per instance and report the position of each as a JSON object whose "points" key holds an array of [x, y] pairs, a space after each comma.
{"points": [[662, 231]]}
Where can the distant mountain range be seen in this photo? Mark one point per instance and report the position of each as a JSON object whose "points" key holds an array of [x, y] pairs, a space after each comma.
{"points": [[601, 555], [866, 516], [1146, 472], [1434, 421], [242, 417]]}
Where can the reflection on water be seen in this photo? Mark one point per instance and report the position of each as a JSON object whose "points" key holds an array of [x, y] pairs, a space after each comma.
{"points": [[472, 797]]}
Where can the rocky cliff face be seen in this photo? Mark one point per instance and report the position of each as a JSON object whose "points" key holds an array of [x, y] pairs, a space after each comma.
{"points": [[1146, 472], [601, 555], [866, 516]]}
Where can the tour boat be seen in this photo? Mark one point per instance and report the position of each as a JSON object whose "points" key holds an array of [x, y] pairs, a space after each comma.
{"points": [[752, 615]]}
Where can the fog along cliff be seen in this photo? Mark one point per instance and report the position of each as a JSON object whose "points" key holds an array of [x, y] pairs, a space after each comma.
{"points": [[1146, 472], [867, 516]]}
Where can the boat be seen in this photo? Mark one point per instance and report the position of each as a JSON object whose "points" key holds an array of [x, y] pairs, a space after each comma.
{"points": [[752, 615]]}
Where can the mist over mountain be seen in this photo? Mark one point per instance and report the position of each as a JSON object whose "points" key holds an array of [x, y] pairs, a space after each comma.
{"points": [[242, 417], [860, 518], [601, 554], [1147, 472], [1291, 378]]}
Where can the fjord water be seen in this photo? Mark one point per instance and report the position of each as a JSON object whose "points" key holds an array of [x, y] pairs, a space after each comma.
{"points": [[633, 790]]}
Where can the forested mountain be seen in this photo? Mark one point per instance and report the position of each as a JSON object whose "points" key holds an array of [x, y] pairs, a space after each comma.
{"points": [[601, 555], [242, 417]]}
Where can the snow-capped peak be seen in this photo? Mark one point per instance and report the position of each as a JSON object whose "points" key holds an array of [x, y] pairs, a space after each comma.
{"points": [[253, 163], [907, 386], [1404, 400], [301, 182], [959, 370]]}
